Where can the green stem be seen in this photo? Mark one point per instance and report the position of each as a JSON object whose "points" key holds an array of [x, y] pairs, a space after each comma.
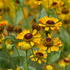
{"points": [[26, 62], [19, 57]]}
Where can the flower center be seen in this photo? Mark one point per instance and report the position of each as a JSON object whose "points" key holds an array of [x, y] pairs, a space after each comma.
{"points": [[65, 11], [28, 36], [36, 26], [54, 3], [50, 22], [1, 29], [39, 0], [39, 54], [17, 1], [48, 39], [0, 10], [18, 29], [10, 28], [49, 42]]}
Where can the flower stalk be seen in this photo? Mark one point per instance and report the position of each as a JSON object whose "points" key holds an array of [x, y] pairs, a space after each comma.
{"points": [[26, 62]]}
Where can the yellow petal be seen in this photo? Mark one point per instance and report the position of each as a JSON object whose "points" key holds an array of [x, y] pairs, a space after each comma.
{"points": [[32, 43], [46, 28], [18, 68], [34, 32], [49, 50], [42, 25], [54, 49], [49, 67], [39, 61]]}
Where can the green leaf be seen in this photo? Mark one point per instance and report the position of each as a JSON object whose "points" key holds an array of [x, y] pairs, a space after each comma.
{"points": [[52, 13], [18, 17], [31, 68], [19, 53], [27, 24], [53, 57], [65, 37], [68, 67]]}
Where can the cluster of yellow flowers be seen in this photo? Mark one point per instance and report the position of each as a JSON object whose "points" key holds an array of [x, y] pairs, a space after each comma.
{"points": [[40, 40], [34, 39], [60, 7]]}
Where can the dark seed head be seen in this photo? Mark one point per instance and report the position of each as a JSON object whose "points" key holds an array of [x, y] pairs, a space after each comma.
{"points": [[67, 60], [10, 28], [38, 0], [50, 22], [47, 32], [48, 42], [0, 10], [1, 29], [39, 54], [17, 1], [54, 3], [18, 29], [6, 9], [66, 21], [65, 11], [36, 26], [48, 39], [49, 45], [28, 36]]}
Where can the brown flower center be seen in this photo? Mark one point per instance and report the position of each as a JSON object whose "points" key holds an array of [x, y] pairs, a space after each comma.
{"points": [[0, 10], [10, 28], [50, 22], [48, 42], [48, 39], [39, 54], [28, 36], [6, 9], [54, 3], [67, 60], [39, 0], [65, 11], [17, 1], [36, 26], [1, 29], [18, 29]]}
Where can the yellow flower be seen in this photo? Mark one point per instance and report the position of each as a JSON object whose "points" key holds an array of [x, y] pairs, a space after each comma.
{"points": [[23, 45], [1, 47], [30, 38], [42, 47], [67, 59], [8, 44], [1, 38], [4, 22], [18, 68], [9, 69], [34, 3], [1, 4], [48, 67], [50, 23], [57, 4], [11, 52], [52, 4], [8, 6], [62, 63], [39, 56], [64, 14], [52, 44]]}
